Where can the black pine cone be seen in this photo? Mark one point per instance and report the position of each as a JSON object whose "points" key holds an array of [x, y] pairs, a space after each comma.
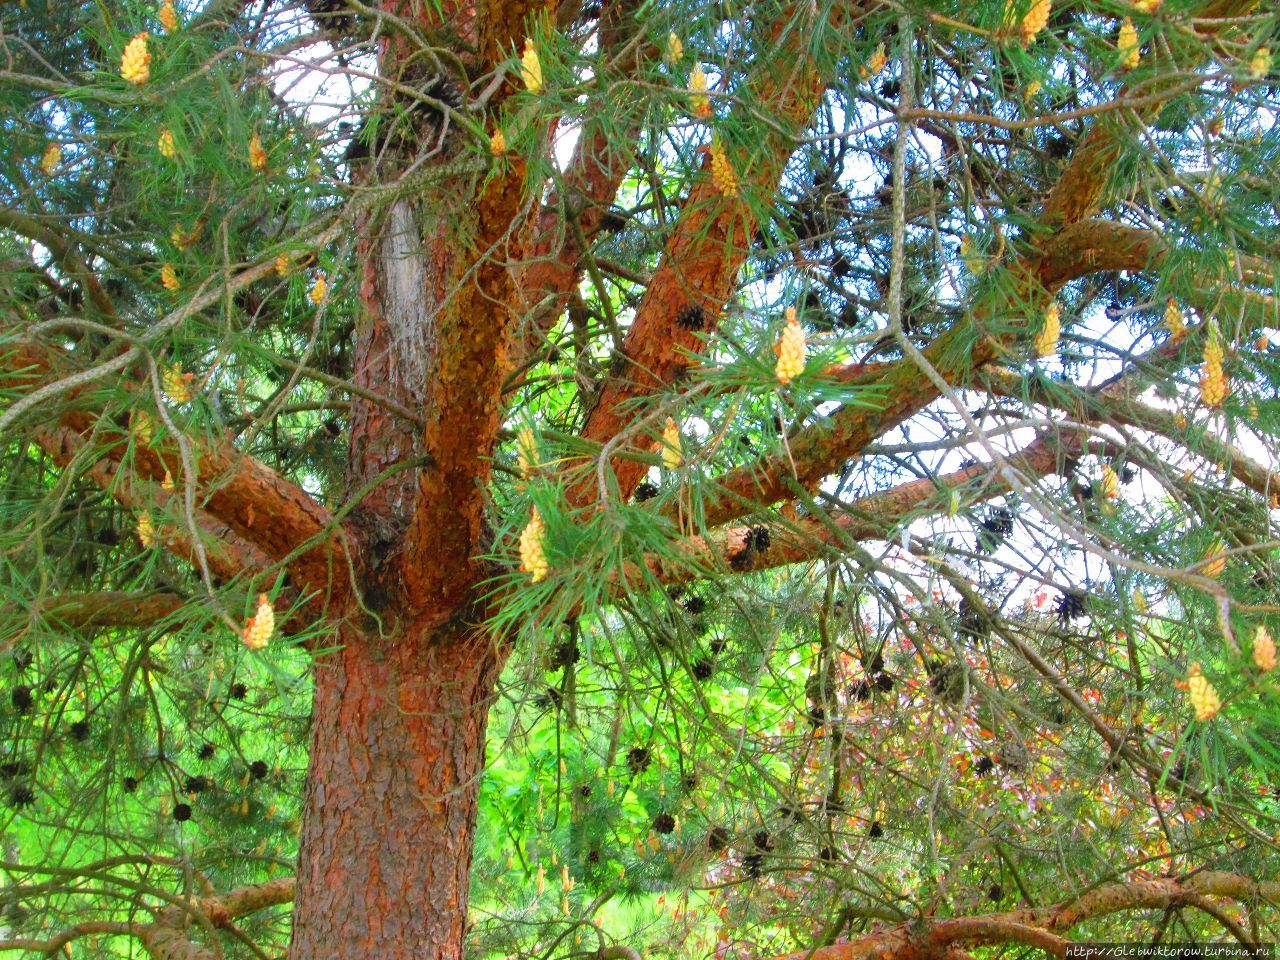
{"points": [[717, 839], [1070, 605], [645, 491], [182, 812], [22, 796], [664, 823], [692, 317], [21, 698], [564, 654], [258, 769], [638, 759]]}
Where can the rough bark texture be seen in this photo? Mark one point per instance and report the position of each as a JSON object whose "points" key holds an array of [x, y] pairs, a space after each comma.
{"points": [[396, 756]]}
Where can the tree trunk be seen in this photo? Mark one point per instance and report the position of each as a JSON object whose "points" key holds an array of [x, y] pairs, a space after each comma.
{"points": [[397, 752]]}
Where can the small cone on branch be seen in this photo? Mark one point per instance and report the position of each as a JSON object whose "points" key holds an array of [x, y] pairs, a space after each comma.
{"points": [[1204, 698], [527, 452], [672, 448], [498, 143], [790, 349], [318, 290], [1260, 63], [168, 17], [169, 278], [1127, 45], [257, 632], [1046, 343], [531, 67], [722, 170], [533, 555], [51, 158], [1110, 485], [257, 156], [675, 49], [146, 529], [164, 143], [1264, 650], [1173, 320], [1213, 381], [875, 64], [135, 62], [698, 97], [1033, 21], [177, 385]]}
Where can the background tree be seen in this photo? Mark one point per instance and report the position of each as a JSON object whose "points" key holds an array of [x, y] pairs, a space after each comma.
{"points": [[681, 477]]}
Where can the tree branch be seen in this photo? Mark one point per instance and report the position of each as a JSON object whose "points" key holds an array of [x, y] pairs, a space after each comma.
{"points": [[702, 258]]}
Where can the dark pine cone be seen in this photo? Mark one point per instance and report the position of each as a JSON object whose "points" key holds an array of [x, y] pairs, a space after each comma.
{"points": [[717, 839], [759, 539], [21, 698], [182, 812], [206, 751], [664, 823], [197, 784], [876, 831], [564, 654], [258, 769], [695, 605], [1070, 605], [753, 864], [638, 759], [645, 491], [79, 730], [702, 669], [984, 766], [692, 317], [21, 796]]}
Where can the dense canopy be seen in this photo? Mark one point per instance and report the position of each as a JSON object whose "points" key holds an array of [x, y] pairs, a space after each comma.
{"points": [[499, 478]]}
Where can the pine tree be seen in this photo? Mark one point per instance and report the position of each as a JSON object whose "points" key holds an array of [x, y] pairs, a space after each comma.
{"points": [[468, 462]]}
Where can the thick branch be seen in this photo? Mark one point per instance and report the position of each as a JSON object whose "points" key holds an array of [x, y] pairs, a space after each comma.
{"points": [[701, 260], [108, 608], [262, 517], [1043, 926]]}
